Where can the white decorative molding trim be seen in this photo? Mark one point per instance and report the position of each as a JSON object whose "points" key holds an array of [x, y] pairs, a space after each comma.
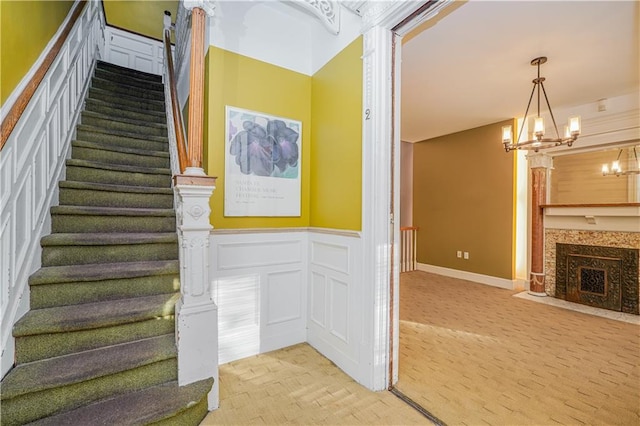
{"points": [[332, 231], [471, 276], [328, 11], [32, 164], [196, 313], [605, 218], [540, 160], [376, 199]]}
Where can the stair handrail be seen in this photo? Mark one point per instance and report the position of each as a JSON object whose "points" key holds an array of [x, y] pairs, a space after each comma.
{"points": [[172, 92], [19, 106]]}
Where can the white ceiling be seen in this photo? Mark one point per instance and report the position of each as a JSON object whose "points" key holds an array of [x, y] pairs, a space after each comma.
{"points": [[471, 66]]}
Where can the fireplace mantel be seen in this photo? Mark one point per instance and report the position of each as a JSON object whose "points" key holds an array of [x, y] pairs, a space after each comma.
{"points": [[593, 217]]}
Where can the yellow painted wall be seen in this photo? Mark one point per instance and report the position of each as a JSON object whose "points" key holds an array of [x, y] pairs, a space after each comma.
{"points": [[336, 131], [240, 81], [26, 27], [463, 199], [139, 16]]}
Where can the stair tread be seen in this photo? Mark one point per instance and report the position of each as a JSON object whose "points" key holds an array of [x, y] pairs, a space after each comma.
{"points": [[142, 407], [83, 366], [122, 149], [113, 75], [130, 82], [111, 211], [98, 271], [119, 167], [115, 188], [128, 71], [104, 104], [104, 238], [126, 120], [94, 315], [139, 136], [124, 97], [124, 102], [122, 86]]}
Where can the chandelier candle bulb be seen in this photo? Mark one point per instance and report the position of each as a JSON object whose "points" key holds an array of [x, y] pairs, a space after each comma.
{"points": [[574, 125], [615, 166], [507, 134], [538, 127]]}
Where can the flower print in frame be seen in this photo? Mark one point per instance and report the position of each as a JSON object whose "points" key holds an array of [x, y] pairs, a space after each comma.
{"points": [[262, 164]]}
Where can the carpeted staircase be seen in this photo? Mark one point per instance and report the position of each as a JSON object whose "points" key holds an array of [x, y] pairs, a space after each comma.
{"points": [[98, 345]]}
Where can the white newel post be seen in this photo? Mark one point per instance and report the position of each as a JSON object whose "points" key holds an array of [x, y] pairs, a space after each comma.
{"points": [[196, 313]]}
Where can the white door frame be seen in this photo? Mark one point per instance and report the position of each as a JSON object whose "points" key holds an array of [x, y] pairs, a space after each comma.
{"points": [[383, 27]]}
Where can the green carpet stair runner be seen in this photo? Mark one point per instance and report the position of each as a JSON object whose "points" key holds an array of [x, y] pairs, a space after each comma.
{"points": [[98, 345]]}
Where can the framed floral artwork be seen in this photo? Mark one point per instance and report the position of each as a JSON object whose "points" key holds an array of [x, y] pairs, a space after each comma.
{"points": [[262, 164]]}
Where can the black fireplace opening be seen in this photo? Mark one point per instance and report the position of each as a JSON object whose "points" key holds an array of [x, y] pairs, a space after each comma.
{"points": [[599, 276]]}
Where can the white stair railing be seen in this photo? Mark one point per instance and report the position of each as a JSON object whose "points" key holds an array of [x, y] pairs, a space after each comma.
{"points": [[408, 248]]}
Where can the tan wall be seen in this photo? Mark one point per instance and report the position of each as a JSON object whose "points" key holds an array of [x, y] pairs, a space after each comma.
{"points": [[463, 199]]}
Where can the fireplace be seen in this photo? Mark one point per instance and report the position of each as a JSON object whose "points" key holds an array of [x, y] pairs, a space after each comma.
{"points": [[603, 277]]}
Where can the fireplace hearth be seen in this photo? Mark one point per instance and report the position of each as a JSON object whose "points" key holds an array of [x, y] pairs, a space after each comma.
{"points": [[603, 277]]}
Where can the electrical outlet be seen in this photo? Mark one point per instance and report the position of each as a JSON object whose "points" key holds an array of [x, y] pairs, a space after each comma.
{"points": [[459, 254], [466, 255]]}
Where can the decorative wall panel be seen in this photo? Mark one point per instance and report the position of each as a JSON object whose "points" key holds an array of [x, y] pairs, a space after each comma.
{"points": [[336, 304], [32, 163], [133, 51], [260, 287]]}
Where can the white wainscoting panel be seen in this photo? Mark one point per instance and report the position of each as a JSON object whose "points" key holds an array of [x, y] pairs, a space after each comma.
{"points": [[260, 288], [32, 163], [335, 304], [133, 51]]}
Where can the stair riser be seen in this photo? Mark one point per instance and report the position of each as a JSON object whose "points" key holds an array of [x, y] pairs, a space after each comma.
{"points": [[82, 255], [72, 293], [116, 88], [140, 129], [113, 157], [106, 138], [86, 197], [41, 346], [71, 224], [122, 111], [135, 82], [116, 100], [88, 174], [30, 407]]}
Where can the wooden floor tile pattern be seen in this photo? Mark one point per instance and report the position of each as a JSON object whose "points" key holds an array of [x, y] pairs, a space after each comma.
{"points": [[470, 354], [297, 385]]}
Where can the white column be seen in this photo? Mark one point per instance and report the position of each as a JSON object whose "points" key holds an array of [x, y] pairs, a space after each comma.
{"points": [[196, 313]]}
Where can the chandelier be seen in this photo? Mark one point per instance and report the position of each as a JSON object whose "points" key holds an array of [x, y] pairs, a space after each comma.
{"points": [[538, 141], [616, 170]]}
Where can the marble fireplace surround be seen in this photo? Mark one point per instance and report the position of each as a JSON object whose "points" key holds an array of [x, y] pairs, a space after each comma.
{"points": [[591, 225]]}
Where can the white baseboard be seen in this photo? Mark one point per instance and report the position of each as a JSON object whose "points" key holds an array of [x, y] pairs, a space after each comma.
{"points": [[471, 276]]}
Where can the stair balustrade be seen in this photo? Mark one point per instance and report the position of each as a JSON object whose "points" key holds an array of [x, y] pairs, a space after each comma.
{"points": [[408, 248], [196, 313]]}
